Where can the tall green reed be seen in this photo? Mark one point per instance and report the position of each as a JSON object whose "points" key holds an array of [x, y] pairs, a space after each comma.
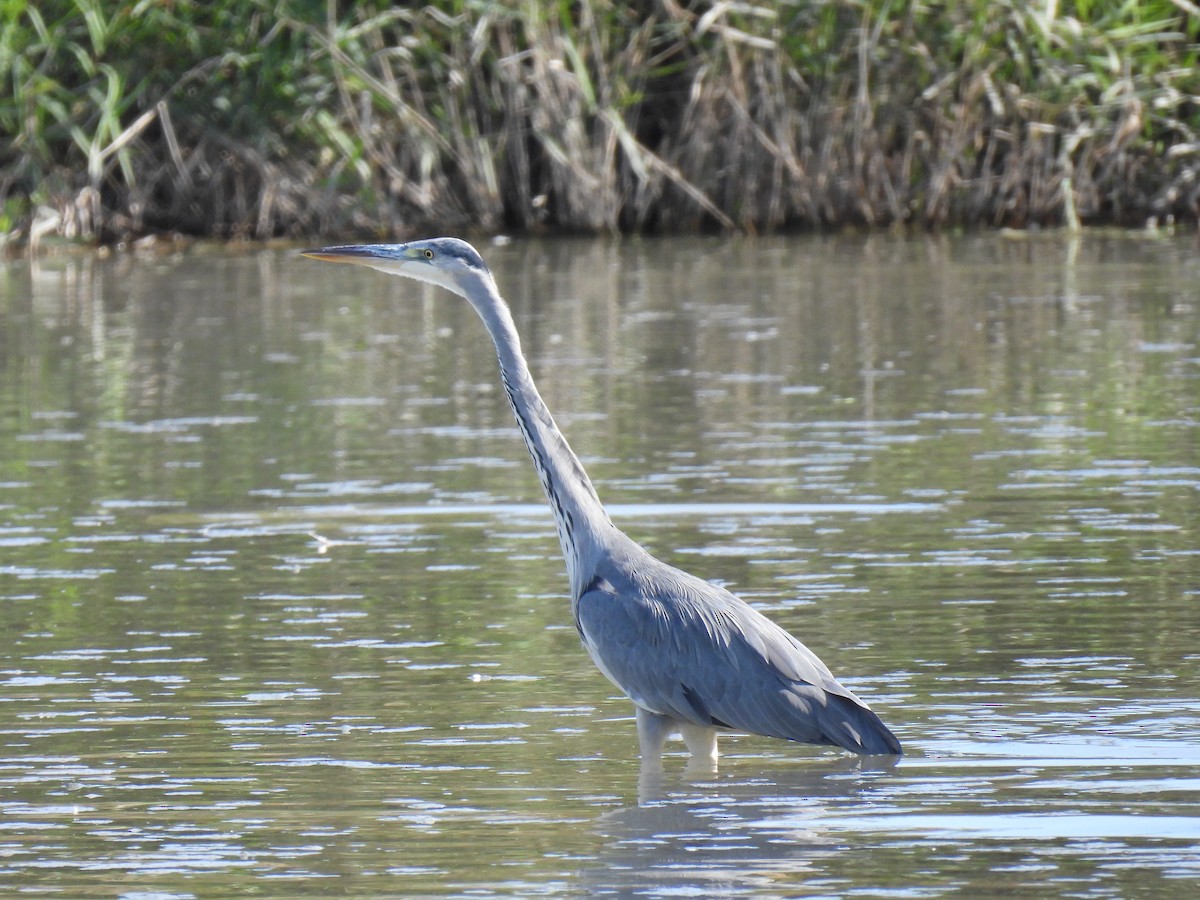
{"points": [[289, 117]]}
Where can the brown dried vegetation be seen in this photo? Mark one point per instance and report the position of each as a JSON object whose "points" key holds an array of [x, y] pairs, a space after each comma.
{"points": [[262, 120]]}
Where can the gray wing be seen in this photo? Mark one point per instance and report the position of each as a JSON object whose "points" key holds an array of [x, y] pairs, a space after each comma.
{"points": [[695, 652]]}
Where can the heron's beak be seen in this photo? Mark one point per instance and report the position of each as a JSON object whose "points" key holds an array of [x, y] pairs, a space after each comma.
{"points": [[394, 259], [362, 254]]}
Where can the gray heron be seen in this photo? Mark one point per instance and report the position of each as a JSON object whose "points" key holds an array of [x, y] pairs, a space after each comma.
{"points": [[694, 659]]}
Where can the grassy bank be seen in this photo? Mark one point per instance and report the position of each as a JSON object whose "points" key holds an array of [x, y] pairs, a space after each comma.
{"points": [[298, 118]]}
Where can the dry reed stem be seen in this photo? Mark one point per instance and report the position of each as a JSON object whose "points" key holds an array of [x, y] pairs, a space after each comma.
{"points": [[514, 114]]}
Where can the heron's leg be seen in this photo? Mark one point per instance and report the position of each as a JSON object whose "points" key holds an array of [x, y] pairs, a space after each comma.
{"points": [[702, 742], [653, 730]]}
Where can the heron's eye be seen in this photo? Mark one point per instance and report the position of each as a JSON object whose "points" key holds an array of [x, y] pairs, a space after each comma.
{"points": [[428, 253]]}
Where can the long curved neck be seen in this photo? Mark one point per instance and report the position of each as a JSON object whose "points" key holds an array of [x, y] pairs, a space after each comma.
{"points": [[579, 516]]}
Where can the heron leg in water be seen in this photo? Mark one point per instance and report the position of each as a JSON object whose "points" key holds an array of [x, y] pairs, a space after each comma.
{"points": [[702, 742], [654, 729]]}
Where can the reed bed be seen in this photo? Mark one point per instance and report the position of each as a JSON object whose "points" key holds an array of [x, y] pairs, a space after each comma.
{"points": [[295, 118]]}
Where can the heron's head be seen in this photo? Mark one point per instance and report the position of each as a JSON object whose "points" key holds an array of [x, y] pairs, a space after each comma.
{"points": [[446, 262]]}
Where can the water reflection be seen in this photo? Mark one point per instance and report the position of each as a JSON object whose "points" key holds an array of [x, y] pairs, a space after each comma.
{"points": [[735, 836], [283, 605]]}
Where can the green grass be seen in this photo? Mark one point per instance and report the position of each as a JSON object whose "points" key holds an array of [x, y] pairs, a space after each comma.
{"points": [[261, 119]]}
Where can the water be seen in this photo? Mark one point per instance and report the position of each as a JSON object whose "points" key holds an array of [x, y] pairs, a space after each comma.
{"points": [[284, 610]]}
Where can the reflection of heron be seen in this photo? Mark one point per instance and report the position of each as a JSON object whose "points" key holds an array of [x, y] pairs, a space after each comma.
{"points": [[752, 836], [692, 657]]}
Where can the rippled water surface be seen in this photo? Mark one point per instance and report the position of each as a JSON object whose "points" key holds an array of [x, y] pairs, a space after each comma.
{"points": [[283, 612]]}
